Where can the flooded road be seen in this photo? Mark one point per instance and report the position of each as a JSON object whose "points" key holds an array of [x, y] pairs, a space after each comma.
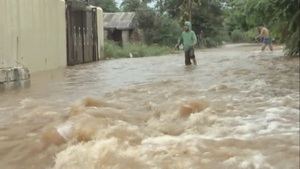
{"points": [[237, 109]]}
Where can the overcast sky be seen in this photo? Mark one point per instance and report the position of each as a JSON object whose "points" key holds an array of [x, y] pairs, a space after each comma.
{"points": [[120, 1]]}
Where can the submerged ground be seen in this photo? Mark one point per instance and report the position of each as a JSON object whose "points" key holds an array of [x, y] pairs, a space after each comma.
{"points": [[246, 113]]}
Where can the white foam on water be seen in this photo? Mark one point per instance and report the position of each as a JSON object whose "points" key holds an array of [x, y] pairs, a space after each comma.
{"points": [[166, 140], [287, 101], [253, 161], [258, 84], [28, 103]]}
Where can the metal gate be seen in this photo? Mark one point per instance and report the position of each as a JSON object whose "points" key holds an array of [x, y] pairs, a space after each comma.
{"points": [[82, 36]]}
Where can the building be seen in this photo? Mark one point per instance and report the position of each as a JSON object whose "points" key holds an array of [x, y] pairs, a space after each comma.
{"points": [[47, 34], [41, 35], [121, 27]]}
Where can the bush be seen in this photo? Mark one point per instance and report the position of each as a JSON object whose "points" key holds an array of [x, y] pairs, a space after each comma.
{"points": [[112, 50], [211, 42], [250, 35], [242, 36], [223, 37], [168, 32], [238, 36], [158, 29]]}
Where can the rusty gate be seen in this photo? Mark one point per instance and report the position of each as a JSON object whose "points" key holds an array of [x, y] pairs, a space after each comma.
{"points": [[82, 34]]}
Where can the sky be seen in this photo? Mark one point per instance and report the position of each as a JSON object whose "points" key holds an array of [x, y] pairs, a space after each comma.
{"points": [[120, 1]]}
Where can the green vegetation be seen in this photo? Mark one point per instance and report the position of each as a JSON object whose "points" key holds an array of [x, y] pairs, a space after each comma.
{"points": [[220, 20], [280, 16], [113, 50], [107, 5], [158, 29]]}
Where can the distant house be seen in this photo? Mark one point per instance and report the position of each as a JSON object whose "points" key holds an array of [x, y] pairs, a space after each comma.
{"points": [[121, 27]]}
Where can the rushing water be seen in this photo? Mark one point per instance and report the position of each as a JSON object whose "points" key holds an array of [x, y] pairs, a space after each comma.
{"points": [[245, 108]]}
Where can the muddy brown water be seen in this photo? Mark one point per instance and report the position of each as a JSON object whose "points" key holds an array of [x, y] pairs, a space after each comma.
{"points": [[246, 113]]}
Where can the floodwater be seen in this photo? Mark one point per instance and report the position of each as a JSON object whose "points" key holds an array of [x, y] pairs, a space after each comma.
{"points": [[238, 109]]}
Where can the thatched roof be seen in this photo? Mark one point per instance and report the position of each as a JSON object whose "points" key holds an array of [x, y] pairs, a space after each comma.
{"points": [[120, 20]]}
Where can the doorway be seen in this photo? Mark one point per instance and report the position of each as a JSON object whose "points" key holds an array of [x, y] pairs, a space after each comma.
{"points": [[82, 35]]}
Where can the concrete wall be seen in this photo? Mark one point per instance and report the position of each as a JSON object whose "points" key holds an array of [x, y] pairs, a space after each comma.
{"points": [[14, 77], [32, 34], [100, 32], [125, 36], [105, 34], [8, 33]]}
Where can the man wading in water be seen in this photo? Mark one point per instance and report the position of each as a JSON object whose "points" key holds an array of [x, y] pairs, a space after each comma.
{"points": [[265, 38], [189, 40]]}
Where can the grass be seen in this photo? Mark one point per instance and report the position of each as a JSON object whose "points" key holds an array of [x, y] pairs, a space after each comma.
{"points": [[112, 50]]}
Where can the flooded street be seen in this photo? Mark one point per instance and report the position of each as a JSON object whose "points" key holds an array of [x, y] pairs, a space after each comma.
{"points": [[237, 109]]}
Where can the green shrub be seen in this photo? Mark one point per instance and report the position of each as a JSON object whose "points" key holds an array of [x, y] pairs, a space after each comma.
{"points": [[112, 50], [238, 36], [158, 29], [250, 35], [242, 36], [223, 37], [211, 42]]}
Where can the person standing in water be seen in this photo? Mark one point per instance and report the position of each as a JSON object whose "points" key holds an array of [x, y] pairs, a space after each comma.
{"points": [[264, 35], [189, 40]]}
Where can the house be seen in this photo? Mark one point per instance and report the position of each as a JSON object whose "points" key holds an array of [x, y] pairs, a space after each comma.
{"points": [[40, 35], [121, 27]]}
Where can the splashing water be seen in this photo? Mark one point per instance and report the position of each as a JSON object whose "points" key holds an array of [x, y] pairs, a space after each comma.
{"points": [[231, 111]]}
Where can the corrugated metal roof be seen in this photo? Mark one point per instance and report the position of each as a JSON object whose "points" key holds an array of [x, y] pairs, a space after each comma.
{"points": [[119, 20]]}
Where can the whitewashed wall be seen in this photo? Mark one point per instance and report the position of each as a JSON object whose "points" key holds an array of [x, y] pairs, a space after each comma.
{"points": [[32, 34], [100, 32]]}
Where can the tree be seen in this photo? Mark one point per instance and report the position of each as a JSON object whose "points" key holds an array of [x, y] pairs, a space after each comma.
{"points": [[281, 16], [182, 8], [157, 29], [133, 5], [130, 5], [107, 5], [206, 16]]}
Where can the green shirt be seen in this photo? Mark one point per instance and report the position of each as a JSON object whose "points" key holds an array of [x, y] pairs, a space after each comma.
{"points": [[188, 39]]}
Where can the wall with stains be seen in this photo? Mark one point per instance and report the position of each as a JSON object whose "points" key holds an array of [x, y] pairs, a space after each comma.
{"points": [[100, 33], [32, 34]]}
